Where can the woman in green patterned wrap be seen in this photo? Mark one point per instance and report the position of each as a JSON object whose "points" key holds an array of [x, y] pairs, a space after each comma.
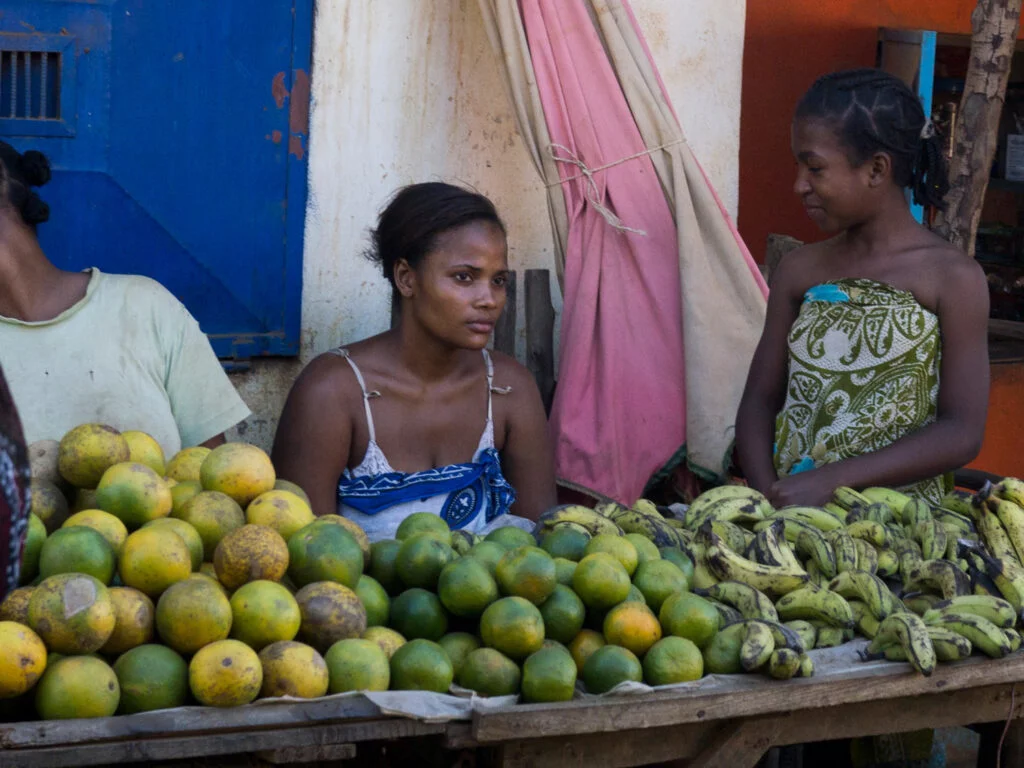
{"points": [[873, 365]]}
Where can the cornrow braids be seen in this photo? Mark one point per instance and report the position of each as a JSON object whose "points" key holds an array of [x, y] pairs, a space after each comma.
{"points": [[874, 111]]}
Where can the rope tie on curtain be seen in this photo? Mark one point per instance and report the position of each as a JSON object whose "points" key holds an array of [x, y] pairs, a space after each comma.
{"points": [[593, 194]]}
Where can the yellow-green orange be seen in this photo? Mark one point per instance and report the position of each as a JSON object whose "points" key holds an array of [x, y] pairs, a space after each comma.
{"points": [[458, 645], [514, 626], [72, 613], [722, 653], [151, 677], [104, 523], [185, 464], [609, 666], [281, 510], [511, 537], [549, 675], [565, 542], [330, 612], [15, 606], [214, 515], [22, 661], [564, 570], [134, 494], [33, 547], [186, 533], [352, 527], [152, 560], [658, 580], [193, 613], [48, 504], [142, 448], [417, 613], [645, 548], [89, 450], [250, 553], [324, 552], [466, 587], [357, 665], [264, 612], [293, 669], [563, 614], [287, 485], [388, 639], [421, 665], [182, 492], [618, 547], [382, 564], [691, 616], [133, 620], [77, 550], [240, 470], [77, 687], [527, 572], [680, 559], [584, 644], [375, 600], [673, 660], [489, 673], [421, 559], [601, 581], [633, 626], [85, 498], [424, 522], [488, 553], [226, 673]]}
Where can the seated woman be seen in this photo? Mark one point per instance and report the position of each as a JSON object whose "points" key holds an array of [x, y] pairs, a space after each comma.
{"points": [[423, 417], [81, 347], [873, 366], [14, 496]]}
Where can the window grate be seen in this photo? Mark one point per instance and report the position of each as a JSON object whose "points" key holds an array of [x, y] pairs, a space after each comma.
{"points": [[30, 85]]}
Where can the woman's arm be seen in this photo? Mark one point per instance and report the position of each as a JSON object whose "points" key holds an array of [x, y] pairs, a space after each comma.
{"points": [[526, 458], [765, 391], [955, 437], [311, 447]]}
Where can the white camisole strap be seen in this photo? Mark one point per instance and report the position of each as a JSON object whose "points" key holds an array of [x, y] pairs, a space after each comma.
{"points": [[342, 352]]}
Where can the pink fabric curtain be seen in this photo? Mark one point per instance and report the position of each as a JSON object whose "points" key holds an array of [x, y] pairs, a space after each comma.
{"points": [[621, 378]]}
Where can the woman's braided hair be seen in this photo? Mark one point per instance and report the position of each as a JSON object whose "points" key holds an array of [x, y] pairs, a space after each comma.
{"points": [[876, 112], [18, 174]]}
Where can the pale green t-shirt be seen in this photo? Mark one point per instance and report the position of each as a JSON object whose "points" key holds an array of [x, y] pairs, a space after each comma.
{"points": [[129, 355]]}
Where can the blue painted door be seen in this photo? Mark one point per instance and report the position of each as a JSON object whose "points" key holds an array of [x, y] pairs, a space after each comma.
{"points": [[178, 135]]}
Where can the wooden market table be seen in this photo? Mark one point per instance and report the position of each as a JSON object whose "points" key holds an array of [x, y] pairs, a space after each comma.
{"points": [[700, 728]]}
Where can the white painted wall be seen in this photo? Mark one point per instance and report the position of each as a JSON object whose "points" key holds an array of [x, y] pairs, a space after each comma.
{"points": [[410, 90]]}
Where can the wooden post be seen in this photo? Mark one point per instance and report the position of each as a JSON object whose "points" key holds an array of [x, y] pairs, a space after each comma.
{"points": [[505, 329], [540, 328], [994, 36]]}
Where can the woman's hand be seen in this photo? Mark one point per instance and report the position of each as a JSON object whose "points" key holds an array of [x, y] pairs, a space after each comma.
{"points": [[813, 488]]}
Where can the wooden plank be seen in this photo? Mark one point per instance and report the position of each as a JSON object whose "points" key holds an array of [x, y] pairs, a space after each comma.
{"points": [[759, 697], [608, 750], [178, 747], [185, 721], [540, 329], [740, 744], [1006, 329], [308, 754], [505, 328]]}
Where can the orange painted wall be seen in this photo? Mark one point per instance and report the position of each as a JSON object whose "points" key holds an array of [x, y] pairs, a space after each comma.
{"points": [[1003, 450], [788, 44]]}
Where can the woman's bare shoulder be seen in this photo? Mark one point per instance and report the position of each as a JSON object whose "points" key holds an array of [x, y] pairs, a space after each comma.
{"points": [[509, 372]]}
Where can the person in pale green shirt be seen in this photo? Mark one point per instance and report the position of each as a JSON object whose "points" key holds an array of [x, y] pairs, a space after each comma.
{"points": [[89, 347]]}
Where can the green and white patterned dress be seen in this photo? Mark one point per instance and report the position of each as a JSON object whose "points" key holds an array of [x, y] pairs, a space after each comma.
{"points": [[863, 372]]}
